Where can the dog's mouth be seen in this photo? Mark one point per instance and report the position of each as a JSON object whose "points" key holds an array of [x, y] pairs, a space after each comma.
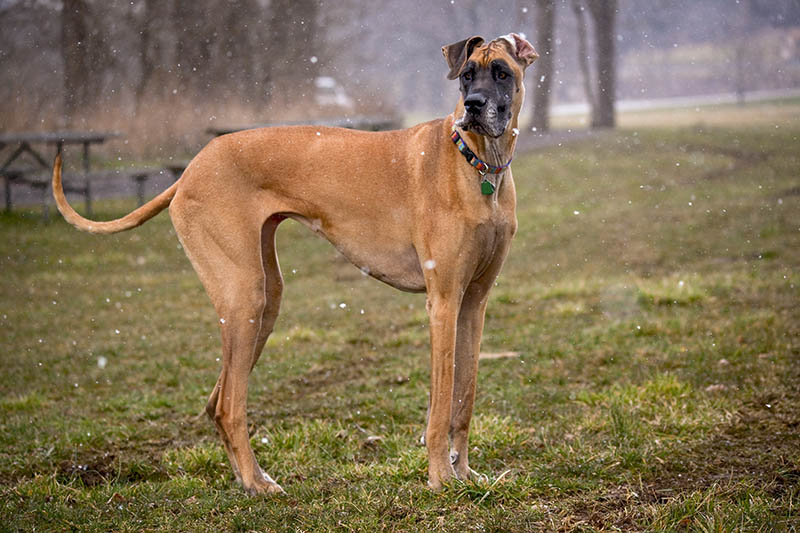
{"points": [[488, 126]]}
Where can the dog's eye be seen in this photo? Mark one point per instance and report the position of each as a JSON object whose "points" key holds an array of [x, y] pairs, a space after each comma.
{"points": [[501, 75], [467, 76]]}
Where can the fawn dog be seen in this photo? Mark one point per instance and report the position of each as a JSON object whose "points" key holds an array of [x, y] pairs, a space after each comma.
{"points": [[426, 209]]}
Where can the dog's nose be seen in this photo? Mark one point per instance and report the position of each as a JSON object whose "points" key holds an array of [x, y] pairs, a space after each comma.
{"points": [[474, 103]]}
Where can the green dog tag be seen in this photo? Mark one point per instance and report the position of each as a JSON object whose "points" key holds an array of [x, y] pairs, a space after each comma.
{"points": [[487, 187]]}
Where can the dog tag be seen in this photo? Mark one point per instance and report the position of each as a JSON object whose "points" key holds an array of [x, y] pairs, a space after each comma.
{"points": [[487, 187]]}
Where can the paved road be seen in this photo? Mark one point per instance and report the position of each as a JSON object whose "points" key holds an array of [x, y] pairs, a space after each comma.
{"points": [[582, 108]]}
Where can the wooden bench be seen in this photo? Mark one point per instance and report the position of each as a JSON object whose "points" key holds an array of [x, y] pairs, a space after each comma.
{"points": [[141, 175], [40, 182], [82, 184], [13, 168]]}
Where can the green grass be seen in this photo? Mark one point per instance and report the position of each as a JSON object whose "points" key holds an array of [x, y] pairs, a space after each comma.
{"points": [[652, 292]]}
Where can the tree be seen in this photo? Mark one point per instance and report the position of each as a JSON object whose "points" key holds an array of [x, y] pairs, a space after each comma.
{"points": [[195, 26], [545, 25], [603, 13], [583, 50], [84, 55], [741, 22], [294, 47], [152, 47]]}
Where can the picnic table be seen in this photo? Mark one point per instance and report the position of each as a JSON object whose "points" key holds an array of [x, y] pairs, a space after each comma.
{"points": [[35, 171], [367, 123], [37, 176]]}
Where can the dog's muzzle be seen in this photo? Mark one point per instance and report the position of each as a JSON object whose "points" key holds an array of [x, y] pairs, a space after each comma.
{"points": [[482, 116]]}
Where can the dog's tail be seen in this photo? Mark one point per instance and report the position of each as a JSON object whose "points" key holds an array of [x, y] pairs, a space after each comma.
{"points": [[131, 220]]}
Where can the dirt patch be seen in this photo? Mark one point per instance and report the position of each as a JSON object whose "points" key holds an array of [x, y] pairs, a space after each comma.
{"points": [[103, 468], [613, 509], [93, 471], [739, 159], [758, 448], [792, 191], [320, 376], [760, 444]]}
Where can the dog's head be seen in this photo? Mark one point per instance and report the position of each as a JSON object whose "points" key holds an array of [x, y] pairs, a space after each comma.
{"points": [[490, 76]]}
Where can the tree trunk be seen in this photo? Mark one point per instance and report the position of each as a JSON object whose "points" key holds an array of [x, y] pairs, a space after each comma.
{"points": [[85, 55], [583, 51], [238, 49], [147, 61], [294, 49], [74, 53], [196, 34], [545, 24], [741, 19], [604, 15]]}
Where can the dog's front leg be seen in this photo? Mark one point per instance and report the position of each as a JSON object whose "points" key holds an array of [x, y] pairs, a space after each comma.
{"points": [[443, 314], [468, 342]]}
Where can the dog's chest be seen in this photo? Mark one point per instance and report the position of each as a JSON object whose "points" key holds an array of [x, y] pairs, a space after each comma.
{"points": [[491, 235]]}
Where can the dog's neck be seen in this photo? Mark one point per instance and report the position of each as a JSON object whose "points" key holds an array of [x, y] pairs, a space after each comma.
{"points": [[494, 151]]}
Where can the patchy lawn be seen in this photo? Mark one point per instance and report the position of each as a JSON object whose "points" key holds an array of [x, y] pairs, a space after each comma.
{"points": [[652, 294]]}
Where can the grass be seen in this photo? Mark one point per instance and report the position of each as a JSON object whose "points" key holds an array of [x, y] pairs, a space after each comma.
{"points": [[651, 293]]}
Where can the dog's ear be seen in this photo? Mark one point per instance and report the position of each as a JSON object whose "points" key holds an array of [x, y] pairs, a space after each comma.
{"points": [[457, 54], [521, 49], [524, 52]]}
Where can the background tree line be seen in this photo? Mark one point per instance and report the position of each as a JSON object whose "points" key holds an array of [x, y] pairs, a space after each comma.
{"points": [[167, 68]]}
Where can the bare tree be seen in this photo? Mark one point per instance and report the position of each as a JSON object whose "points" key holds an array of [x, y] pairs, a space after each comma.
{"points": [[741, 19], [545, 26], [234, 63], [152, 46], [294, 47], [195, 27], [84, 54], [583, 50], [603, 14]]}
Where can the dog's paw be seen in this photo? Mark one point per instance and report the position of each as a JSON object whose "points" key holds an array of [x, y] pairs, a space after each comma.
{"points": [[262, 484], [437, 479], [464, 472], [267, 487]]}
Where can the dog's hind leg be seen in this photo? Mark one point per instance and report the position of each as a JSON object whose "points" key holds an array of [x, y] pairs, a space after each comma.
{"points": [[230, 263], [273, 283]]}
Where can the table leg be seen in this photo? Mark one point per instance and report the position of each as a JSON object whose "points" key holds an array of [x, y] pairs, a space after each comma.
{"points": [[7, 187], [6, 178], [45, 204], [140, 182], [88, 181]]}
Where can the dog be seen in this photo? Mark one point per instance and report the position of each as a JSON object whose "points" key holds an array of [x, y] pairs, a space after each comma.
{"points": [[426, 209]]}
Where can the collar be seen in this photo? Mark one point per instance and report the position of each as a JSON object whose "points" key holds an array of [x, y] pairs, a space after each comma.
{"points": [[481, 166]]}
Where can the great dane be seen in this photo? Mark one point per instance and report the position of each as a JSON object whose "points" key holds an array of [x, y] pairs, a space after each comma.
{"points": [[426, 209]]}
